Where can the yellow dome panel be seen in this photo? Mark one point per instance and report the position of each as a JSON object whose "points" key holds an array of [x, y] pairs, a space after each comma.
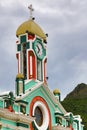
{"points": [[20, 76], [56, 91], [31, 27]]}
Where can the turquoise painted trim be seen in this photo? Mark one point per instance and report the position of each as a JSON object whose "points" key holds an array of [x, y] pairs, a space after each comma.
{"points": [[23, 39], [19, 47], [74, 126], [16, 107], [39, 39], [63, 122], [1, 104], [82, 127], [8, 122], [30, 84], [27, 45], [44, 51], [23, 125]]}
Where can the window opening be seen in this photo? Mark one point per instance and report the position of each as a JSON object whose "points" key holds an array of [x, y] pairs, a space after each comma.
{"points": [[39, 70], [24, 60], [39, 116]]}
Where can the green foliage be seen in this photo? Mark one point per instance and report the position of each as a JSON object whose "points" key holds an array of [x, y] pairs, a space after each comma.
{"points": [[76, 102]]}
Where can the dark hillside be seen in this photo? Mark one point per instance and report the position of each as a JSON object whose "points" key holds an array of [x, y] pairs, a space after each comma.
{"points": [[76, 102]]}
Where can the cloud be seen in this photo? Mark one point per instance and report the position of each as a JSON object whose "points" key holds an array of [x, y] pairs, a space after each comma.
{"points": [[65, 22]]}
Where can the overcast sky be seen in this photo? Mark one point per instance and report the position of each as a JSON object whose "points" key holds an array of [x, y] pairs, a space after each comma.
{"points": [[65, 21]]}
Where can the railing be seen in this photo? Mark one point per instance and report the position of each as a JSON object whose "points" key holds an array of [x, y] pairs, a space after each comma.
{"points": [[4, 113]]}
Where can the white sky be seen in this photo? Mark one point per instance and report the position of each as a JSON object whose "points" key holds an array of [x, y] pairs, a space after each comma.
{"points": [[65, 21]]}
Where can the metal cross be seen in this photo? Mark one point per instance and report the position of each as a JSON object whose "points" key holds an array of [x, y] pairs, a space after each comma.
{"points": [[31, 10]]}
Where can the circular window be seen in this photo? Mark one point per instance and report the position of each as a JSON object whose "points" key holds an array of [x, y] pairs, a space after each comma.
{"points": [[39, 116], [42, 117]]}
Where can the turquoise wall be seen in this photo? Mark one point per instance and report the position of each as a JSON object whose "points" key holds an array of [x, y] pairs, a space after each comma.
{"points": [[30, 84], [1, 104], [40, 92], [8, 122]]}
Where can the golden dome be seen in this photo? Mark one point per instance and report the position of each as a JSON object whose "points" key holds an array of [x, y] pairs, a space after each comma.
{"points": [[56, 91], [20, 76], [31, 27]]}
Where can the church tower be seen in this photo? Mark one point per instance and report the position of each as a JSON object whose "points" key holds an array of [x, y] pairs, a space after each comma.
{"points": [[34, 106], [31, 50]]}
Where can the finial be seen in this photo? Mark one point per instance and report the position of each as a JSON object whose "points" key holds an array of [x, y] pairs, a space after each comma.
{"points": [[31, 10]]}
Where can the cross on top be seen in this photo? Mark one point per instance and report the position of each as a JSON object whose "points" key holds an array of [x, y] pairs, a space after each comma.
{"points": [[31, 10]]}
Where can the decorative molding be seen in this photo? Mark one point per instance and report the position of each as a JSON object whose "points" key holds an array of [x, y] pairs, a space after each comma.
{"points": [[4, 113], [52, 97], [13, 127]]}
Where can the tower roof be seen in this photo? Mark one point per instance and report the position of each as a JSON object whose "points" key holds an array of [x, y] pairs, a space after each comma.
{"points": [[31, 27], [20, 76], [56, 91]]}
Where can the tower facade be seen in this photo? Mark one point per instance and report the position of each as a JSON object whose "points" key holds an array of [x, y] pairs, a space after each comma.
{"points": [[31, 51]]}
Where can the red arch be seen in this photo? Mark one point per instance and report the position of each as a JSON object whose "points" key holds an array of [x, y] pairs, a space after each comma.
{"points": [[38, 98]]}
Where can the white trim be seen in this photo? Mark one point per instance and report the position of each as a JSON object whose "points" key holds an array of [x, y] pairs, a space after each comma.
{"points": [[1, 99], [39, 70], [30, 45], [44, 110], [31, 65], [20, 87], [44, 67]]}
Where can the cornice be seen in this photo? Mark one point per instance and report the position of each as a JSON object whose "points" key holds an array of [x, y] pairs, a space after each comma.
{"points": [[13, 127], [4, 113]]}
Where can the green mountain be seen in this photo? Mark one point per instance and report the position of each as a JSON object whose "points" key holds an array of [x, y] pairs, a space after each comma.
{"points": [[76, 102]]}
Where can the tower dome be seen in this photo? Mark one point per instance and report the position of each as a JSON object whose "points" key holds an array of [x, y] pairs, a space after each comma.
{"points": [[56, 91], [30, 27], [20, 76]]}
